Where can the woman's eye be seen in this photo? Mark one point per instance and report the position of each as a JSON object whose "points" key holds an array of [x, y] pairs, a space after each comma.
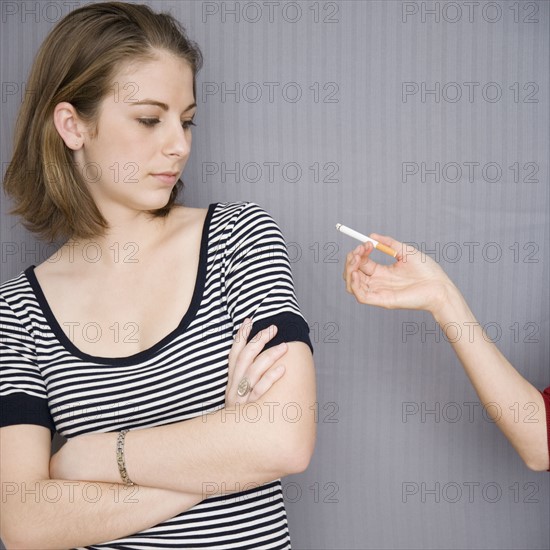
{"points": [[148, 121], [152, 121]]}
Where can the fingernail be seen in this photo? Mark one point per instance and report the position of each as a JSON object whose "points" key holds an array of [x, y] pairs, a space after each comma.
{"points": [[282, 345], [279, 368]]}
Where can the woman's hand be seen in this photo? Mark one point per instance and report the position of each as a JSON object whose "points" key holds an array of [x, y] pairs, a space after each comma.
{"points": [[247, 362], [415, 281]]}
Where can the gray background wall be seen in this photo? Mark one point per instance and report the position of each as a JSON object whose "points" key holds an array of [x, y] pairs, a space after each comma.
{"points": [[333, 121]]}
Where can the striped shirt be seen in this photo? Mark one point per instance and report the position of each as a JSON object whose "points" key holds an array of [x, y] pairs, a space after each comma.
{"points": [[244, 271]]}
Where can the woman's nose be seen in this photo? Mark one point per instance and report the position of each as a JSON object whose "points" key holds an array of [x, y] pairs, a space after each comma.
{"points": [[179, 141]]}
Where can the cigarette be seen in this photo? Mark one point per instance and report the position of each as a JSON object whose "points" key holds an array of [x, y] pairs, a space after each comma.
{"points": [[364, 239]]}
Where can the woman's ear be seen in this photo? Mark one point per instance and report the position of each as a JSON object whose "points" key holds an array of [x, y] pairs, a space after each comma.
{"points": [[71, 129]]}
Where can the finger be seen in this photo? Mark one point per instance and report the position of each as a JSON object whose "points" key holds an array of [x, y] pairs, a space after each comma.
{"points": [[266, 381], [249, 353], [349, 258], [359, 287], [368, 293], [350, 264], [359, 249], [240, 340], [359, 258], [364, 249], [265, 361], [366, 264]]}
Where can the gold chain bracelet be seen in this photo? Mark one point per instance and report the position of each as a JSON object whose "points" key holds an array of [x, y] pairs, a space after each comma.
{"points": [[120, 458]]}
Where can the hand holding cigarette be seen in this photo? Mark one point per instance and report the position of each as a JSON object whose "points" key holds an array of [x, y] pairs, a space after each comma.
{"points": [[363, 238], [414, 281]]}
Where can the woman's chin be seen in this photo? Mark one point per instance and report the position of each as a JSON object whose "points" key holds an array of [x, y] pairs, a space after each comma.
{"points": [[137, 202], [155, 201]]}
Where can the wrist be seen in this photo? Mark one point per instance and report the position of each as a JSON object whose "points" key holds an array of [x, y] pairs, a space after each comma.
{"points": [[105, 461], [121, 458], [448, 303]]}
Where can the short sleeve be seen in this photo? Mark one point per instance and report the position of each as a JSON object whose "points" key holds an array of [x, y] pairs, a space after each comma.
{"points": [[546, 397], [258, 279], [23, 397]]}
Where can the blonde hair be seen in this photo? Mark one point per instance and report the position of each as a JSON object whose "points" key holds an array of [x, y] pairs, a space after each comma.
{"points": [[77, 63]]}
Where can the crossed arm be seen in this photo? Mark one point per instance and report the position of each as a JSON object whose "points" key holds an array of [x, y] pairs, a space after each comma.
{"points": [[174, 466]]}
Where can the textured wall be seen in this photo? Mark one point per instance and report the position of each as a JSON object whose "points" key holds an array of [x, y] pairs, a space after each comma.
{"points": [[427, 121]]}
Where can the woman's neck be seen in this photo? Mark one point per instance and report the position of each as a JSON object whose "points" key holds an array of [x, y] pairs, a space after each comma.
{"points": [[128, 239]]}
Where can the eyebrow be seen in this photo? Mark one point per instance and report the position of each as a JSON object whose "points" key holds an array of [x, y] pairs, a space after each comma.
{"points": [[160, 104]]}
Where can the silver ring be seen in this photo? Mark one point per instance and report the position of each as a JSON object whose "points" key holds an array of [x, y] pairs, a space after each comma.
{"points": [[244, 387]]}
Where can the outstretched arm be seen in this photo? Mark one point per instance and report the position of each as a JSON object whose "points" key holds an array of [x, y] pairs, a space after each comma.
{"points": [[415, 281]]}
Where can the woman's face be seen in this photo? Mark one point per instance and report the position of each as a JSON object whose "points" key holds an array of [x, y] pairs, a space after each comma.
{"points": [[143, 136]]}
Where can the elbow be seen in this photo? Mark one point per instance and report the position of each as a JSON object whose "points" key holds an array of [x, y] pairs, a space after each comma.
{"points": [[21, 538], [14, 530], [13, 546], [11, 542], [297, 451], [25, 544], [302, 458], [9, 538], [537, 460], [536, 465]]}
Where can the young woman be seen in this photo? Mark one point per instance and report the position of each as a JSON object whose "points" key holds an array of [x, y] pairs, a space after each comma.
{"points": [[415, 281], [164, 342]]}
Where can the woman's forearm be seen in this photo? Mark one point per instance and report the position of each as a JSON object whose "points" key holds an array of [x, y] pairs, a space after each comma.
{"points": [[230, 449], [226, 451], [516, 406], [57, 513]]}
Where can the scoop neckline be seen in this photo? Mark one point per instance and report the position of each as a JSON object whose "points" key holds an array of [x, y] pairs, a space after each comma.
{"points": [[145, 354]]}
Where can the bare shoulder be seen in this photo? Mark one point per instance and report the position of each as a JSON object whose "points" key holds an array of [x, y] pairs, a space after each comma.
{"points": [[186, 221], [188, 216], [54, 265], [182, 235]]}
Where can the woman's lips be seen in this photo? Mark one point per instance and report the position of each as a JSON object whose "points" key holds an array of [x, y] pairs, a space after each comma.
{"points": [[169, 178]]}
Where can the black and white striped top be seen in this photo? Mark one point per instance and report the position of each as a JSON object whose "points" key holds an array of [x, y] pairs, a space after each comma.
{"points": [[243, 271]]}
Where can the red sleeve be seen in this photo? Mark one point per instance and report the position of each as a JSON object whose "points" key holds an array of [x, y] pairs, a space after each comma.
{"points": [[546, 397]]}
